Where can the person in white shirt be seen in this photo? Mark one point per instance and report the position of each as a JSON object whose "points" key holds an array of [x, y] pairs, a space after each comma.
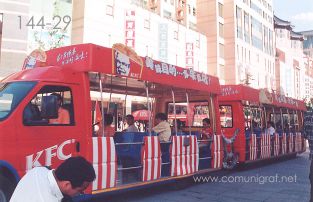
{"points": [[130, 122], [270, 129], [40, 184], [162, 128]]}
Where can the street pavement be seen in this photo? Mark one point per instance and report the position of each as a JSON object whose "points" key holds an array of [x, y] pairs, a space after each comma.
{"points": [[282, 181]]}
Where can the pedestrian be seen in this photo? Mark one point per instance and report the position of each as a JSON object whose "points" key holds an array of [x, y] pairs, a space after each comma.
{"points": [[41, 184], [308, 134]]}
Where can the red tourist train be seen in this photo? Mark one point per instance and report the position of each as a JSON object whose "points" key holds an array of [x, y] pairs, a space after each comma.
{"points": [[253, 112], [129, 160]]}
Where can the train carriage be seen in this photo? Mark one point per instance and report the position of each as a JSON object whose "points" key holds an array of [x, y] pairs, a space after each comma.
{"points": [[125, 161], [251, 111]]}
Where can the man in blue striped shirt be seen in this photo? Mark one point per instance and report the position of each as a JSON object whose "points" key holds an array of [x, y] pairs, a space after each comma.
{"points": [[308, 134]]}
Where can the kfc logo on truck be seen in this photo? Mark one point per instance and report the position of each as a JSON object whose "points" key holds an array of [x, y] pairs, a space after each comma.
{"points": [[33, 160]]}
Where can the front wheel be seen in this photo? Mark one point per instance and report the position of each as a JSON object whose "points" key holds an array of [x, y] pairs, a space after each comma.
{"points": [[6, 189]]}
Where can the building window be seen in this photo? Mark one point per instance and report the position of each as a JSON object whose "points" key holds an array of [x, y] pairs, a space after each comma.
{"points": [[147, 24], [220, 10], [256, 33], [198, 43], [221, 50], [221, 30], [176, 35], [194, 11], [238, 52], [167, 14], [189, 9], [109, 10], [239, 22], [246, 28]]}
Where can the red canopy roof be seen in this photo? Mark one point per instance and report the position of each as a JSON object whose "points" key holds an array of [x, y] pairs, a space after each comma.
{"points": [[239, 92], [124, 62], [245, 93]]}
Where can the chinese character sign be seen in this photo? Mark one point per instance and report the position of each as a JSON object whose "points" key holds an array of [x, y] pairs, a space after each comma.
{"points": [[130, 28], [189, 55], [163, 41], [162, 68]]}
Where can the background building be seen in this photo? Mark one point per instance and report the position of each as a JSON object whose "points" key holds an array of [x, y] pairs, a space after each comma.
{"points": [[26, 25], [163, 30], [240, 40], [13, 37], [290, 66], [308, 62], [308, 43]]}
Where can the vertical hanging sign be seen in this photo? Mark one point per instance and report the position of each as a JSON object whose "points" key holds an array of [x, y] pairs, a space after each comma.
{"points": [[189, 55], [130, 28], [163, 42]]}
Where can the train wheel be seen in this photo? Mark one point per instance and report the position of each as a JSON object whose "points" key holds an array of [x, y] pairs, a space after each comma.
{"points": [[6, 189]]}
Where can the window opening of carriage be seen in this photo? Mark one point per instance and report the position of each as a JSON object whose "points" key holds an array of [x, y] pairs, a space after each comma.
{"points": [[248, 117], [226, 116], [120, 97], [33, 114], [276, 118], [194, 113]]}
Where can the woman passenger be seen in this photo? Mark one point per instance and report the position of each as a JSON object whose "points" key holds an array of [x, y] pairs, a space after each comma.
{"points": [[206, 132], [109, 131]]}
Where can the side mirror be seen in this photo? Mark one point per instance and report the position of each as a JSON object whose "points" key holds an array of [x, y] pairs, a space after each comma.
{"points": [[49, 107]]}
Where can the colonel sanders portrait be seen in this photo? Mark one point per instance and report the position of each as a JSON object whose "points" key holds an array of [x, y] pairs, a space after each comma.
{"points": [[122, 64]]}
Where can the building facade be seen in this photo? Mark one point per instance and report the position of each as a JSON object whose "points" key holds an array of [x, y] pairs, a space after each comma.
{"points": [[308, 43], [13, 37], [308, 62], [290, 67], [26, 25], [161, 29], [240, 41]]}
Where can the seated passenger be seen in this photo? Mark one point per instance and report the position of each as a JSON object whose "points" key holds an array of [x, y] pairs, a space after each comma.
{"points": [[162, 127], [270, 129], [108, 130], [287, 128], [206, 132], [63, 114], [130, 122], [255, 126], [179, 126]]}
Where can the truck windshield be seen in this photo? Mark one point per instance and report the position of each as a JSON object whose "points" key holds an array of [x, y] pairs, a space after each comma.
{"points": [[11, 95]]}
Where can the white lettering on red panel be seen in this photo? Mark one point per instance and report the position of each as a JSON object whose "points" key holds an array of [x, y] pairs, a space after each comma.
{"points": [[48, 153]]}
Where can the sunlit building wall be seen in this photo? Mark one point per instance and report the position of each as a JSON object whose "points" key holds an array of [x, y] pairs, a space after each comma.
{"points": [[163, 30], [290, 65], [240, 41], [13, 35]]}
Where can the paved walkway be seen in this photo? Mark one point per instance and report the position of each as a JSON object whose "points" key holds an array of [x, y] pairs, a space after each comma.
{"points": [[283, 181]]}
